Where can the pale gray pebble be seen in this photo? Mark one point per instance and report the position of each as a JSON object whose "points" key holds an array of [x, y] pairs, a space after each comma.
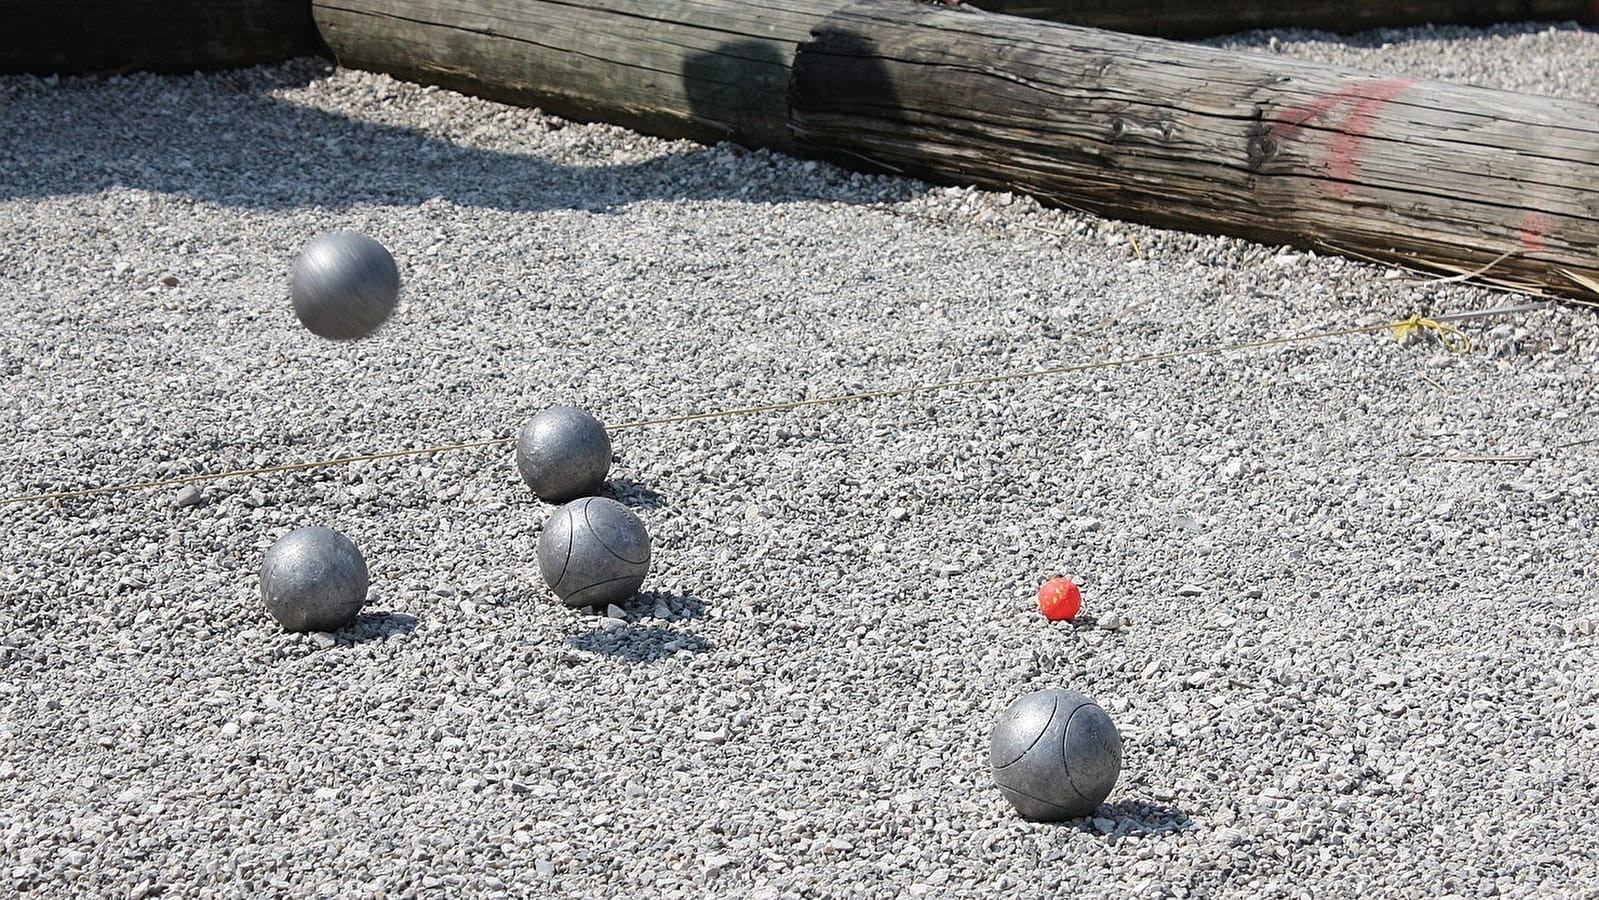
{"points": [[716, 736]]}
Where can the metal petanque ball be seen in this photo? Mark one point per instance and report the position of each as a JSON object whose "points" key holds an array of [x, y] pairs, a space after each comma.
{"points": [[594, 551], [314, 579], [1055, 755], [563, 453], [344, 285]]}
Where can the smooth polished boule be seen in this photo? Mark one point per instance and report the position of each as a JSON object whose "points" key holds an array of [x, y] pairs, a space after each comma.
{"points": [[563, 453], [344, 285], [1055, 755], [594, 551], [314, 579]]}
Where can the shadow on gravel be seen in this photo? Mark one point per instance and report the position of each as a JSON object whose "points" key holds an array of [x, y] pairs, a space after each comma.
{"points": [[663, 605], [377, 626], [628, 638], [639, 643], [633, 494], [226, 139], [1134, 818]]}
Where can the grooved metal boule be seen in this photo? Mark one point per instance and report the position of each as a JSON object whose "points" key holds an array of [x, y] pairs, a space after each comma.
{"points": [[563, 453], [344, 285], [314, 579], [1055, 755], [594, 551]]}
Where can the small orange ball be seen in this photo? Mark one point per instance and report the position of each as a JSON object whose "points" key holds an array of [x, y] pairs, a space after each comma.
{"points": [[1059, 599]]}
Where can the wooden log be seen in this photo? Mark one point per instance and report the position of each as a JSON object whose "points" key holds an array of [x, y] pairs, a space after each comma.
{"points": [[719, 69], [1185, 137], [709, 70], [1189, 19], [73, 36], [712, 69], [1454, 177]]}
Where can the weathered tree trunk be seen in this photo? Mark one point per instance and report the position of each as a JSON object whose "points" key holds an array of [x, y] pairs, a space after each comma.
{"points": [[1453, 177], [1187, 18], [68, 36], [719, 69], [1130, 127], [704, 69]]}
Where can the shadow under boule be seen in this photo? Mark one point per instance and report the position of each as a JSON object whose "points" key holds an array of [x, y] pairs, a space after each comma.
{"points": [[639, 643], [633, 495], [376, 626], [1138, 818]]}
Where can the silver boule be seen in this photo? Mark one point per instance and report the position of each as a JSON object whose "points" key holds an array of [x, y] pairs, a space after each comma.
{"points": [[314, 579], [594, 551], [344, 285], [563, 453], [1055, 755]]}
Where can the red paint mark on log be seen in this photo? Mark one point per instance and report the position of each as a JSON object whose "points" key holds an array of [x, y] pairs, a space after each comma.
{"points": [[1363, 100], [1535, 226]]}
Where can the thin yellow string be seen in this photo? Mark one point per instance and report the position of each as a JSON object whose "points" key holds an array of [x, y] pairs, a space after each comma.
{"points": [[1453, 339], [1400, 329], [979, 380]]}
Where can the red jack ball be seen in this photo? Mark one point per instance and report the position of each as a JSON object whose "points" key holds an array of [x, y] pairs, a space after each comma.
{"points": [[1059, 599]]}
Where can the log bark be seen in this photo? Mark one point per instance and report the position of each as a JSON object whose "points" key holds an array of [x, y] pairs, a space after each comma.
{"points": [[710, 70], [1189, 19], [1124, 126], [73, 36], [719, 69], [1452, 177]]}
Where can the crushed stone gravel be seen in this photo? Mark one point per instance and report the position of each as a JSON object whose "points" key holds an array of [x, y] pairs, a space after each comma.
{"points": [[1339, 595]]}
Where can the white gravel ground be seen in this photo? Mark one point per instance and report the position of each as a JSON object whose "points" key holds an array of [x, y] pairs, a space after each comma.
{"points": [[1340, 595]]}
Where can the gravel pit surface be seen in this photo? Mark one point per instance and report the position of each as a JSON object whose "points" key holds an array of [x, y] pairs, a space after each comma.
{"points": [[1339, 594]]}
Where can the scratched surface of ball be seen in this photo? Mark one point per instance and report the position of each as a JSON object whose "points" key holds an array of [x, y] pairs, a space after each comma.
{"points": [[563, 453], [344, 285], [594, 551], [1055, 755], [314, 579]]}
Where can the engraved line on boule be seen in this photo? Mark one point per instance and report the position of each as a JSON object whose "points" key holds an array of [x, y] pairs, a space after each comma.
{"points": [[1054, 710], [596, 586], [599, 535], [565, 516], [1085, 709], [1066, 811]]}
